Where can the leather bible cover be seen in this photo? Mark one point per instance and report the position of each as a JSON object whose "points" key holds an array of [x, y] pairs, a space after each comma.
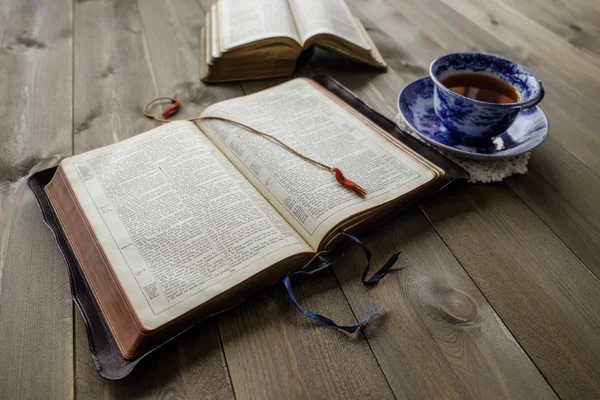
{"points": [[106, 357]]}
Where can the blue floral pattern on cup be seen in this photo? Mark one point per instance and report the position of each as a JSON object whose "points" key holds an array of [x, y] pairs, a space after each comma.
{"points": [[415, 104], [470, 120]]}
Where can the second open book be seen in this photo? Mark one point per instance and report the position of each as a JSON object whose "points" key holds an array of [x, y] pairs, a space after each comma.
{"points": [[250, 39], [183, 221]]}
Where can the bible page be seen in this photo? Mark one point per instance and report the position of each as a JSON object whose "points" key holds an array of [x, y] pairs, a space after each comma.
{"points": [[177, 221], [333, 17], [246, 21], [305, 117]]}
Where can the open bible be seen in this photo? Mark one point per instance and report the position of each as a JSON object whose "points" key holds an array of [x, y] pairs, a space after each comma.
{"points": [[183, 221], [252, 39]]}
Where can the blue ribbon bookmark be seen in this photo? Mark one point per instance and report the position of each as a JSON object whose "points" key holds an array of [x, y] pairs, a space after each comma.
{"points": [[320, 319], [382, 271]]}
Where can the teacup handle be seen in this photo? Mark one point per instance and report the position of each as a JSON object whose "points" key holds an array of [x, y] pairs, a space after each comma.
{"points": [[535, 101]]}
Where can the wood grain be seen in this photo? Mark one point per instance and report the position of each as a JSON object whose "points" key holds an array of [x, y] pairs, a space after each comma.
{"points": [[190, 367], [113, 75], [274, 352], [36, 341], [545, 295], [436, 317], [172, 32], [36, 324], [36, 42], [580, 233], [4, 10], [577, 22]]}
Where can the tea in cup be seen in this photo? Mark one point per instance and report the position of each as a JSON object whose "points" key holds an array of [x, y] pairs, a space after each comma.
{"points": [[478, 96]]}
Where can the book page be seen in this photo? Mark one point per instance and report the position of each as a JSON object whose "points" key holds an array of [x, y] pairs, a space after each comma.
{"points": [[178, 223], [246, 21], [311, 122], [213, 28], [333, 17]]}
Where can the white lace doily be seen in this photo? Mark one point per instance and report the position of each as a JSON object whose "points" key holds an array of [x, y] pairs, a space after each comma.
{"points": [[484, 171]]}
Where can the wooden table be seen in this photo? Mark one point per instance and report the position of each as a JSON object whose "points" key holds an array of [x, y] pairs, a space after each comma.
{"points": [[496, 293]]}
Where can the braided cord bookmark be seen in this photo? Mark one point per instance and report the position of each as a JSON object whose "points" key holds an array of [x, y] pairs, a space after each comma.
{"points": [[337, 173]]}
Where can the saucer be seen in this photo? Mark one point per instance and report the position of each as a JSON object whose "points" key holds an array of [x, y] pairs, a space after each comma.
{"points": [[415, 103]]}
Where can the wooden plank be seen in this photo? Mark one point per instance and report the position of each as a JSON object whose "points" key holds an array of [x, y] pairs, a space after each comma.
{"points": [[437, 318], [4, 10], [115, 77], [575, 189], [545, 295], [37, 42], [36, 311], [274, 352], [36, 326], [577, 22], [580, 233], [190, 367], [172, 32], [526, 30]]}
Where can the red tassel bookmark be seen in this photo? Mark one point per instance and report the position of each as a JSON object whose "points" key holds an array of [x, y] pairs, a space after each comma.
{"points": [[347, 183], [169, 112]]}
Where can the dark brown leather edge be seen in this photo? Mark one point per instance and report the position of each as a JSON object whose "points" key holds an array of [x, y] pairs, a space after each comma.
{"points": [[105, 355]]}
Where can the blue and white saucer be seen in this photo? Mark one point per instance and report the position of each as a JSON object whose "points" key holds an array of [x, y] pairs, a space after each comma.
{"points": [[415, 103]]}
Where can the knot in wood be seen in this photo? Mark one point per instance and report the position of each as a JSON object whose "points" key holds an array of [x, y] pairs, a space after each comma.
{"points": [[458, 306]]}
